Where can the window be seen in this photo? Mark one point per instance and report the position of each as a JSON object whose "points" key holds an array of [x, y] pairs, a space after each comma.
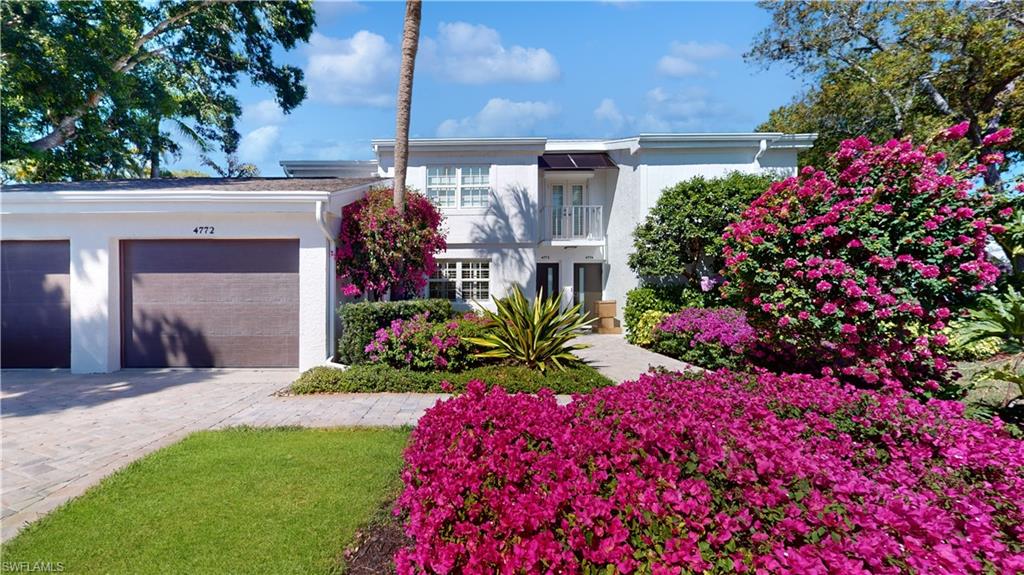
{"points": [[466, 187], [461, 280], [441, 186]]}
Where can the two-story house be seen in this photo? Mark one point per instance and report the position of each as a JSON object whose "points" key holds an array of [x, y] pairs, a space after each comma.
{"points": [[558, 215], [212, 272]]}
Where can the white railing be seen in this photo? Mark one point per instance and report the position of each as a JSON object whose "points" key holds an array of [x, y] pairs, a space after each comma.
{"points": [[575, 223]]}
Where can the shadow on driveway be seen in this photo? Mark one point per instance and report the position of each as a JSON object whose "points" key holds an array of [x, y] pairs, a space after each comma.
{"points": [[26, 392]]}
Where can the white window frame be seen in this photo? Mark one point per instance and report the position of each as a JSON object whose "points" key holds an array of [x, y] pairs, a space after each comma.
{"points": [[460, 195], [463, 272]]}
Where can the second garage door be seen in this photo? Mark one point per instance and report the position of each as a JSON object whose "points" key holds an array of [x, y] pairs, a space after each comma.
{"points": [[210, 303]]}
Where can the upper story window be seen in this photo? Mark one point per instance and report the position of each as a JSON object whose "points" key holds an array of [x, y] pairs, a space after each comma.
{"points": [[465, 187]]}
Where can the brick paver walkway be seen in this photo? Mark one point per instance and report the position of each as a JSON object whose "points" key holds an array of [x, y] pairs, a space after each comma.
{"points": [[621, 361], [62, 433]]}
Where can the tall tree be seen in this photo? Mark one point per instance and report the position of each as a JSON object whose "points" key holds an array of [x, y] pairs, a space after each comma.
{"points": [[87, 83], [403, 104], [893, 69]]}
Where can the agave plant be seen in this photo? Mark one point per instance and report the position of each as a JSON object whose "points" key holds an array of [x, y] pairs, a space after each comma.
{"points": [[999, 317], [537, 335]]}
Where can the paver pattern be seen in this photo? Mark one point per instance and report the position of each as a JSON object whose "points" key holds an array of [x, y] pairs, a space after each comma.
{"points": [[62, 433]]}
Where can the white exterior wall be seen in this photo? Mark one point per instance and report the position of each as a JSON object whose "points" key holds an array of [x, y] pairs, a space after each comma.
{"points": [[95, 231], [511, 232]]}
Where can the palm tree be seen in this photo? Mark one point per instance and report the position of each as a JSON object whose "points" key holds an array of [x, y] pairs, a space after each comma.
{"points": [[403, 105]]}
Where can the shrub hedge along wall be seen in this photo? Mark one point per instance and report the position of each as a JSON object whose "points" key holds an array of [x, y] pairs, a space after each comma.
{"points": [[360, 321]]}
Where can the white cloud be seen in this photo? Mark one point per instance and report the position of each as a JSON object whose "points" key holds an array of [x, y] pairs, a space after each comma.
{"points": [[263, 112], [608, 111], [685, 110], [360, 71], [256, 144], [500, 117], [473, 54], [683, 59]]}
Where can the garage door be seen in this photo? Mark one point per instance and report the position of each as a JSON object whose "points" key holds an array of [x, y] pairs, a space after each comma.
{"points": [[210, 303], [35, 308]]}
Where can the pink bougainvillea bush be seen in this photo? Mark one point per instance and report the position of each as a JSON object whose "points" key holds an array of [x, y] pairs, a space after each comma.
{"points": [[425, 345], [724, 473], [857, 268], [707, 337], [380, 251]]}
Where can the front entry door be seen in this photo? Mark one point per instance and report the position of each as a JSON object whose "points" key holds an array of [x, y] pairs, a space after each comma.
{"points": [[547, 280], [587, 287]]}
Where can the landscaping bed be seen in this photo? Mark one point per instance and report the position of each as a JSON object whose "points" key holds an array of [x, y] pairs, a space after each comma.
{"points": [[241, 500], [376, 378]]}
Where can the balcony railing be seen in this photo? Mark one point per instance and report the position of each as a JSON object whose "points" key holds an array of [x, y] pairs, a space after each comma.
{"points": [[579, 223]]}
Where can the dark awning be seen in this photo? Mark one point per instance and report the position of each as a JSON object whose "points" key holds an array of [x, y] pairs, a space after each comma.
{"points": [[575, 161]]}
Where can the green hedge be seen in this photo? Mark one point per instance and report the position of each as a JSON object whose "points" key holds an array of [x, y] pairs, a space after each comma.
{"points": [[359, 321], [374, 378], [668, 299]]}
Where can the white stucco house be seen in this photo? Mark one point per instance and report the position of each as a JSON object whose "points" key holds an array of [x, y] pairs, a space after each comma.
{"points": [[557, 215], [209, 272]]}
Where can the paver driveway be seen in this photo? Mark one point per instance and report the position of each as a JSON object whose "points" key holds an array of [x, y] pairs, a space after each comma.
{"points": [[62, 433]]}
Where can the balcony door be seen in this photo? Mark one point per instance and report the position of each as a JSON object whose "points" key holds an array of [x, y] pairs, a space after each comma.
{"points": [[567, 218]]}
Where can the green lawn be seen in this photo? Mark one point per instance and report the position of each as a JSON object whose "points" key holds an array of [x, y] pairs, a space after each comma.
{"points": [[231, 501]]}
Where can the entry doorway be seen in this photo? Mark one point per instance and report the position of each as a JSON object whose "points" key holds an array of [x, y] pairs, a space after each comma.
{"points": [[587, 287], [547, 280]]}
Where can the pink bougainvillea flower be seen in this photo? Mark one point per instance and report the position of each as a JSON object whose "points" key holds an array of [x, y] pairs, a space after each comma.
{"points": [[998, 137], [957, 131]]}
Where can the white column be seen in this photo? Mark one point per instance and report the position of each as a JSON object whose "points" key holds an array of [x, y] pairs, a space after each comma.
{"points": [[95, 347], [313, 344]]}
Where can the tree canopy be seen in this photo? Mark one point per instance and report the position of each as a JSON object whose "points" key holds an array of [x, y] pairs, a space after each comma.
{"points": [[90, 87], [895, 69]]}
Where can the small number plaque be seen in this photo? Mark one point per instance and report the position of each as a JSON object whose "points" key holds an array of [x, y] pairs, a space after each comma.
{"points": [[203, 230]]}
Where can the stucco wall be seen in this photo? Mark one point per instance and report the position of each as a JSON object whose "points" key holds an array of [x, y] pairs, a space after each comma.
{"points": [[95, 272]]}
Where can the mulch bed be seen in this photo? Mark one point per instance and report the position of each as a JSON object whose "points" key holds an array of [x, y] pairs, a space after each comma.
{"points": [[373, 550]]}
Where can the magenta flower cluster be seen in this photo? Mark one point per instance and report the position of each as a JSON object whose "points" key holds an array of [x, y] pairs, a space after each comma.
{"points": [[857, 268], [719, 474], [380, 251], [708, 337], [425, 345]]}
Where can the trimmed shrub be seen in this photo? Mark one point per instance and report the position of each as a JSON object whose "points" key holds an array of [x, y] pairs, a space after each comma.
{"points": [[664, 298], [360, 322], [718, 473], [681, 238], [376, 378], [707, 337], [856, 269], [423, 344]]}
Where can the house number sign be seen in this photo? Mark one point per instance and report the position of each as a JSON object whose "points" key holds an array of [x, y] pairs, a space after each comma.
{"points": [[203, 230]]}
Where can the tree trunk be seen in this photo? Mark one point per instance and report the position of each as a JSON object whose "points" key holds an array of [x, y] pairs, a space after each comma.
{"points": [[154, 152], [403, 103]]}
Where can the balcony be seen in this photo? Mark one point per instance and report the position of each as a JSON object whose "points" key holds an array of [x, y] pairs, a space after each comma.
{"points": [[573, 225]]}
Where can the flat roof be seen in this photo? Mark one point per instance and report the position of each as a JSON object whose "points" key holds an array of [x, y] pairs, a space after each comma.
{"points": [[198, 184]]}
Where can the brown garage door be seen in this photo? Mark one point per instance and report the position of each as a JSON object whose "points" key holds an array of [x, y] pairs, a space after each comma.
{"points": [[210, 303], [35, 308]]}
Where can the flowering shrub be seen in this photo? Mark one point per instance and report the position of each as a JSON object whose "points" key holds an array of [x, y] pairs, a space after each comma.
{"points": [[720, 474], [707, 337], [858, 267], [425, 345], [379, 251]]}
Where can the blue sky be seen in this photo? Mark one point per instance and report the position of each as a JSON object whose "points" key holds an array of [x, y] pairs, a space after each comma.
{"points": [[573, 69]]}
